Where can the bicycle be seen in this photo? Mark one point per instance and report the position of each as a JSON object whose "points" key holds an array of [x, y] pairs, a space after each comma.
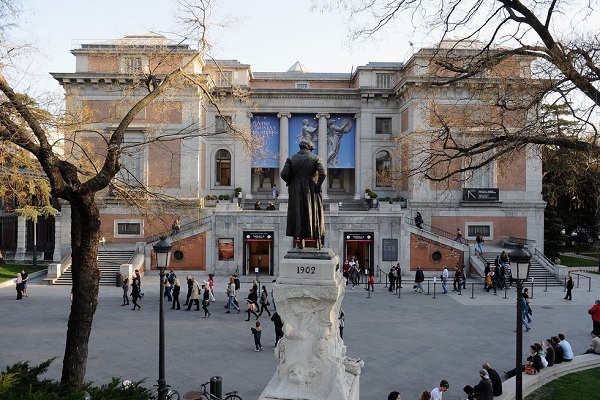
{"points": [[205, 394]]}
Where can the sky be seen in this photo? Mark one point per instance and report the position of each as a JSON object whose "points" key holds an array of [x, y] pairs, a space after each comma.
{"points": [[270, 35]]}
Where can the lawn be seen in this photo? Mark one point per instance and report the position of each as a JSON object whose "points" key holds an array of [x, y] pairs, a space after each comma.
{"points": [[576, 386], [577, 262], [10, 271]]}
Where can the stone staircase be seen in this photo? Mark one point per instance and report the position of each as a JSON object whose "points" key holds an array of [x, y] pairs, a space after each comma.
{"points": [[536, 271], [109, 264]]}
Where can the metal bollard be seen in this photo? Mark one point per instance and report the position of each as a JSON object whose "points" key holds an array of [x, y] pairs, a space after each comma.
{"points": [[216, 386], [472, 290]]}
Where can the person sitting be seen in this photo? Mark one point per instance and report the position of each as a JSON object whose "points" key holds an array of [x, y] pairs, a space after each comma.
{"points": [[595, 346], [270, 206], [535, 360], [257, 206]]}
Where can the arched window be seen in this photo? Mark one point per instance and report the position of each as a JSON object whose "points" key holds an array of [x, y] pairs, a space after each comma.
{"points": [[223, 168], [383, 169]]}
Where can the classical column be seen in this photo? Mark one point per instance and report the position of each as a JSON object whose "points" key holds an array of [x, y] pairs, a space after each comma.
{"points": [[284, 150], [358, 190], [248, 194], [322, 147], [21, 238], [57, 238]]}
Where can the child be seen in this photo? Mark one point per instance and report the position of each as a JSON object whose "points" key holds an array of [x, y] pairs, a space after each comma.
{"points": [[256, 332]]}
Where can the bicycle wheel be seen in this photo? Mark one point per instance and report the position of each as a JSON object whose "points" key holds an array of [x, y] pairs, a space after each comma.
{"points": [[232, 397], [172, 394]]}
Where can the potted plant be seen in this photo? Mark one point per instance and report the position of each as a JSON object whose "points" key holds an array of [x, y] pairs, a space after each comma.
{"points": [[373, 199], [367, 191]]}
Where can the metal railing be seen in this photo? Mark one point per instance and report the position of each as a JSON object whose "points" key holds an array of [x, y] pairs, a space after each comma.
{"points": [[582, 276], [183, 228], [435, 231]]}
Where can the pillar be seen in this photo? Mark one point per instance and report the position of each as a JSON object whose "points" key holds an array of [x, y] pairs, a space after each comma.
{"points": [[57, 239], [358, 189], [21, 239], [322, 148], [284, 150]]}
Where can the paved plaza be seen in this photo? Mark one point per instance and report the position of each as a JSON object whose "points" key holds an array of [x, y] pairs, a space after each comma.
{"points": [[408, 343]]}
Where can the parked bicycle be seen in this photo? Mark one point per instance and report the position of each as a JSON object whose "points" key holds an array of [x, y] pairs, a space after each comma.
{"points": [[206, 395]]}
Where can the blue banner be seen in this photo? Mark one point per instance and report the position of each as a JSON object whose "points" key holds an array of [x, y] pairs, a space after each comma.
{"points": [[341, 133], [303, 126], [265, 128]]}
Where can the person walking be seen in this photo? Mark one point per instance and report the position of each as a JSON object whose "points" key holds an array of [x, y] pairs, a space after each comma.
{"points": [[463, 276], [257, 332], [444, 278], [194, 296], [527, 315], [341, 322], [479, 241], [211, 285], [595, 314], [525, 308], [264, 301], [569, 296], [206, 301], [176, 291], [392, 279], [252, 301], [125, 287], [190, 285], [456, 284], [135, 292], [231, 296], [458, 237], [419, 279], [138, 277], [278, 324]]}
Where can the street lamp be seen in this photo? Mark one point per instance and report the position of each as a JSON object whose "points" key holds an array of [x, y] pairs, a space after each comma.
{"points": [[163, 255], [521, 259]]}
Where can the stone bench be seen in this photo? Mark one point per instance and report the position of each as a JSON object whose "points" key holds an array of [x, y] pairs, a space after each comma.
{"points": [[548, 374]]}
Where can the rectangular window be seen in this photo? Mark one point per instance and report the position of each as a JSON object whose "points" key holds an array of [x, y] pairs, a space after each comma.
{"points": [[134, 65], [383, 126], [132, 159], [383, 81], [128, 228], [483, 230], [224, 78], [222, 124], [301, 85]]}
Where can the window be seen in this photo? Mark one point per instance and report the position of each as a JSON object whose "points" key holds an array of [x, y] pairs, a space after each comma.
{"points": [[128, 228], [132, 159], [301, 85], [383, 126], [224, 78], [482, 177], [134, 65], [222, 124], [483, 230], [223, 168], [383, 169], [383, 81]]}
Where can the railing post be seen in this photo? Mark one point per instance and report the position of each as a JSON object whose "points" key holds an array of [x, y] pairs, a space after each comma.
{"points": [[505, 291], [434, 283], [531, 297], [589, 284], [472, 290]]}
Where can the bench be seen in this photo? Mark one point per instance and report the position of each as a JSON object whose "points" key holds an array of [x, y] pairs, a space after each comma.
{"points": [[548, 374]]}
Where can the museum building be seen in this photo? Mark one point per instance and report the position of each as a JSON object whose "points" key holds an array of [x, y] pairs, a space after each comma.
{"points": [[369, 127]]}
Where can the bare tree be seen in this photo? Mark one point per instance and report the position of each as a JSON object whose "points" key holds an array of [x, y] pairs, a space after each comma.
{"points": [[76, 174], [550, 34]]}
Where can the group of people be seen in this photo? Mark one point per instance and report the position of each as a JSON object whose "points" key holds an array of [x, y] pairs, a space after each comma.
{"points": [[270, 206], [351, 271], [554, 350], [500, 276], [395, 277], [21, 284], [136, 290]]}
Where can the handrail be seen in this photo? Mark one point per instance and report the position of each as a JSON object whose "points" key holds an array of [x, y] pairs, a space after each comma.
{"points": [[521, 241], [586, 277], [186, 227], [543, 256], [435, 231]]}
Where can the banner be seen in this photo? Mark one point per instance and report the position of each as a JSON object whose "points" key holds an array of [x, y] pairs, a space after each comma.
{"points": [[303, 126], [265, 128]]}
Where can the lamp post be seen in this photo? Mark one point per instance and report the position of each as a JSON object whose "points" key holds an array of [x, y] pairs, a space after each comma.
{"points": [[521, 259], [163, 255]]}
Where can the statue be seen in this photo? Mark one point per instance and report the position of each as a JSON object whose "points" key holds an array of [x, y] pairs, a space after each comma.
{"points": [[304, 174]]}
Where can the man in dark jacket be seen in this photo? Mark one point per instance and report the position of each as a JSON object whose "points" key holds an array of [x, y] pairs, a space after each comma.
{"points": [[494, 378], [304, 174], [483, 390]]}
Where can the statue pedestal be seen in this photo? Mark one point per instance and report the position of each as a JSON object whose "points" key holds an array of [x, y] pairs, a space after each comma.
{"points": [[312, 357]]}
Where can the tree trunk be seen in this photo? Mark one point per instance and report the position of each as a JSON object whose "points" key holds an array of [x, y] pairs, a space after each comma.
{"points": [[85, 232]]}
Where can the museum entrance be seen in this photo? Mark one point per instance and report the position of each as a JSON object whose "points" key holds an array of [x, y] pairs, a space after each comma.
{"points": [[258, 253], [360, 246]]}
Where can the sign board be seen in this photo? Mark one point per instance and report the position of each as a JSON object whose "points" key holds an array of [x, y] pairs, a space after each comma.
{"points": [[390, 249], [481, 195]]}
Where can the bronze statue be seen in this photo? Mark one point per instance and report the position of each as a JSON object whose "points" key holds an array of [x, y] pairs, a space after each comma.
{"points": [[304, 174]]}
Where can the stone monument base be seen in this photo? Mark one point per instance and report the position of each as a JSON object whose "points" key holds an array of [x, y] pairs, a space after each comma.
{"points": [[312, 356]]}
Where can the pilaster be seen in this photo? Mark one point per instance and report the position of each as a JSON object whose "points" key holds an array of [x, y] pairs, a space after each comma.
{"points": [[284, 150], [322, 148]]}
